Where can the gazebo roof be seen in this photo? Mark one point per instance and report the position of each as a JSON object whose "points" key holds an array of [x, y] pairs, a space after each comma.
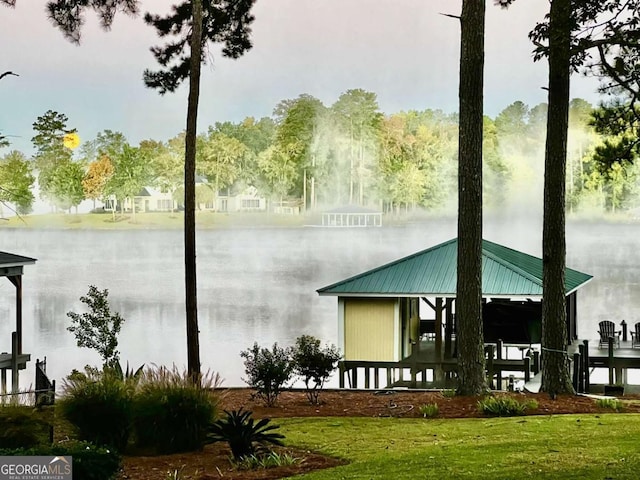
{"points": [[9, 260], [505, 273]]}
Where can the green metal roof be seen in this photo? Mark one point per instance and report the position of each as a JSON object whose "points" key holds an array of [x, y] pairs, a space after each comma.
{"points": [[505, 272]]}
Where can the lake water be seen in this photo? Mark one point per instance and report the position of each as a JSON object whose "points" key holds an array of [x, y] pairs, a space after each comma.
{"points": [[258, 284]]}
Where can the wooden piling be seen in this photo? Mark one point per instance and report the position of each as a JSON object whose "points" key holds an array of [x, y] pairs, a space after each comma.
{"points": [[587, 373], [611, 362], [527, 369], [490, 349], [581, 367], [577, 364], [15, 383]]}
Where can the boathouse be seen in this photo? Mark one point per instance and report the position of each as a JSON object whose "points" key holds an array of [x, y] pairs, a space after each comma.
{"points": [[401, 316], [12, 357]]}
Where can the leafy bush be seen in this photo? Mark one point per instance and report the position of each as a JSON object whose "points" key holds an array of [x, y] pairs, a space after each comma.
{"points": [[314, 364], [429, 410], [610, 403], [448, 393], [89, 461], [99, 328], [268, 371], [269, 460], [171, 413], [99, 405], [504, 406], [22, 427], [243, 435]]}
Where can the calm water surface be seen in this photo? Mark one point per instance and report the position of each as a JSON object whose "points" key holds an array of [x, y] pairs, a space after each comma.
{"points": [[257, 284]]}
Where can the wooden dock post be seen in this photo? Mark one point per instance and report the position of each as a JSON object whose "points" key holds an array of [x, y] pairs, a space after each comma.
{"points": [[581, 369], [3, 384], [448, 328], [587, 374], [499, 357], [15, 383], [490, 349], [536, 362], [611, 362], [577, 366]]}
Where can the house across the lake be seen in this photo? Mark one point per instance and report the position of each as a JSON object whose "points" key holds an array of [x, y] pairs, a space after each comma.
{"points": [[248, 200], [152, 200], [402, 315]]}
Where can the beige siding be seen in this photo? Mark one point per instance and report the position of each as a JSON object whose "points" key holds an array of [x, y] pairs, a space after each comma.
{"points": [[369, 329]]}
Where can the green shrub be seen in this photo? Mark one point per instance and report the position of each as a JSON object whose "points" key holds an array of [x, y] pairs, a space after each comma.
{"points": [[99, 405], [610, 403], [171, 413], [313, 364], [268, 371], [98, 329], [243, 435], [448, 393], [89, 461], [269, 460], [504, 406], [22, 427], [429, 410]]}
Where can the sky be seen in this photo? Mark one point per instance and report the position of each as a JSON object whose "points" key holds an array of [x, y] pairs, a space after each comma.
{"points": [[405, 51]]}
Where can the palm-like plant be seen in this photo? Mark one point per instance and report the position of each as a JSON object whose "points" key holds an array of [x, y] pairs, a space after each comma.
{"points": [[242, 433]]}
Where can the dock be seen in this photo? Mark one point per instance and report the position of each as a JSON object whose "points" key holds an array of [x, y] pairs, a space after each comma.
{"points": [[506, 364], [617, 361], [427, 368]]}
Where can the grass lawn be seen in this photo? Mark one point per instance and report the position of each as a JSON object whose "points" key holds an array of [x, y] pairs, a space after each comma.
{"points": [[564, 446]]}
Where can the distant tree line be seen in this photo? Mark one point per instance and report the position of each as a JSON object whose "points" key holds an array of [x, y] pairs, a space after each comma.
{"points": [[346, 153]]}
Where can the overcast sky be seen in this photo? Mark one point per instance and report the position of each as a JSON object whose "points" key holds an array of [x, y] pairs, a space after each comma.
{"points": [[402, 50]]}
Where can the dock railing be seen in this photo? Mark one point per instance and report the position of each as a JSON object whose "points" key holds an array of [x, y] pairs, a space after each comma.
{"points": [[421, 371], [43, 394]]}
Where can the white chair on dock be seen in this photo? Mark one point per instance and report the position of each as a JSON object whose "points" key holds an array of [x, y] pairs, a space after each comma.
{"points": [[635, 336], [608, 329]]}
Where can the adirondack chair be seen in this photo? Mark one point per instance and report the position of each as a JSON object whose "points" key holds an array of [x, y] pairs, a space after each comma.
{"points": [[635, 336], [608, 329]]}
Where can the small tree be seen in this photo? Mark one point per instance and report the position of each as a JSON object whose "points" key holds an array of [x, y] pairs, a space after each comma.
{"points": [[313, 364], [99, 328], [268, 371]]}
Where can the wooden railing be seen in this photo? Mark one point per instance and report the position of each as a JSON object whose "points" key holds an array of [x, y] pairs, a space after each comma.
{"points": [[414, 373]]}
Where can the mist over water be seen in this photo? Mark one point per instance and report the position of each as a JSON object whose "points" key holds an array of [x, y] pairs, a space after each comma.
{"points": [[258, 284]]}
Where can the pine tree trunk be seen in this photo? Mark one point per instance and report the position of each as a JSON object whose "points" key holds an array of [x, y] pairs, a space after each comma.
{"points": [[193, 344], [556, 376], [469, 335]]}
